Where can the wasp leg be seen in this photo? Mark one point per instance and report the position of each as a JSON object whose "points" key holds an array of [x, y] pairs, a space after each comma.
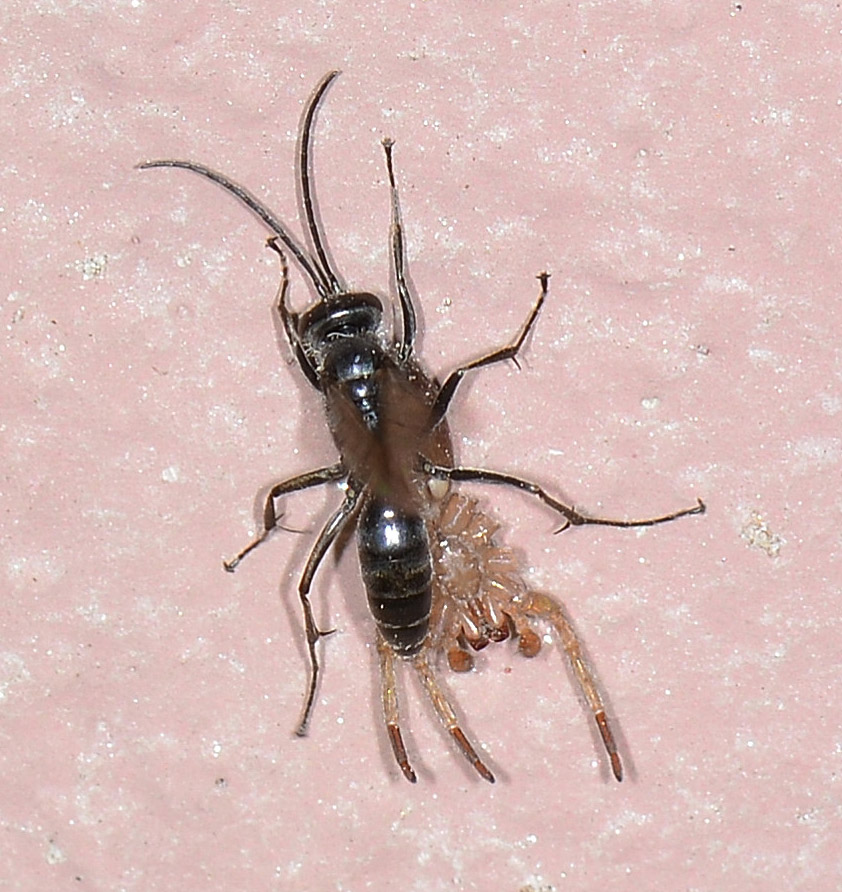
{"points": [[445, 395], [285, 487], [289, 318], [571, 516], [448, 716], [389, 693], [326, 538], [546, 608], [407, 341]]}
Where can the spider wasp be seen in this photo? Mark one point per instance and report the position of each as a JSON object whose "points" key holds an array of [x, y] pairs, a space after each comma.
{"points": [[435, 578]]}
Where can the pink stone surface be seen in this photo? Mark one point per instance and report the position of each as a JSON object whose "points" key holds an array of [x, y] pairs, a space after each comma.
{"points": [[676, 167]]}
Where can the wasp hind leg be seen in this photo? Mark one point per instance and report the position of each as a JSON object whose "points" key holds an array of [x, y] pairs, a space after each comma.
{"points": [[326, 538], [571, 516]]}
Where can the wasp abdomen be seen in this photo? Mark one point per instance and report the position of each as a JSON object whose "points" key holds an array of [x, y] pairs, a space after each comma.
{"points": [[397, 570]]}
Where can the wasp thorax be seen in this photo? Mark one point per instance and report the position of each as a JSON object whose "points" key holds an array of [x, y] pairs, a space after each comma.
{"points": [[352, 364]]}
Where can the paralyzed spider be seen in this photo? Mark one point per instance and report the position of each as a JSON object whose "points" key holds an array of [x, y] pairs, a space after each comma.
{"points": [[387, 416], [482, 598]]}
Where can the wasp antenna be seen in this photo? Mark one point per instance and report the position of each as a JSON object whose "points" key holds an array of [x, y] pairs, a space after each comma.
{"points": [[303, 258], [316, 235]]}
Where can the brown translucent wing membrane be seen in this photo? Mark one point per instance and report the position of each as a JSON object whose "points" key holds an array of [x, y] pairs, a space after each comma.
{"points": [[387, 457]]}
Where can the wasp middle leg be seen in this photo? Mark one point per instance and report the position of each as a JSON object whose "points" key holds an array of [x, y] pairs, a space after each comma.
{"points": [[510, 351], [285, 487]]}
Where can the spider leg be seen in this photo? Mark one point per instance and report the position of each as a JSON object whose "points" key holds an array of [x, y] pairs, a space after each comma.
{"points": [[448, 716], [544, 607], [389, 693]]}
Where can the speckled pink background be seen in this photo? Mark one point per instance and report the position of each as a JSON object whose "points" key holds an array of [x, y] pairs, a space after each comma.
{"points": [[676, 166]]}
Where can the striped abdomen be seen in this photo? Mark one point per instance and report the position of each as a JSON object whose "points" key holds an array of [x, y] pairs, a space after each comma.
{"points": [[397, 570]]}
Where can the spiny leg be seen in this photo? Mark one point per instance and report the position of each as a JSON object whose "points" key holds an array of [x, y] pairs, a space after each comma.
{"points": [[448, 716], [544, 607], [389, 693], [407, 341], [445, 395], [326, 538], [571, 515], [290, 318], [285, 487]]}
